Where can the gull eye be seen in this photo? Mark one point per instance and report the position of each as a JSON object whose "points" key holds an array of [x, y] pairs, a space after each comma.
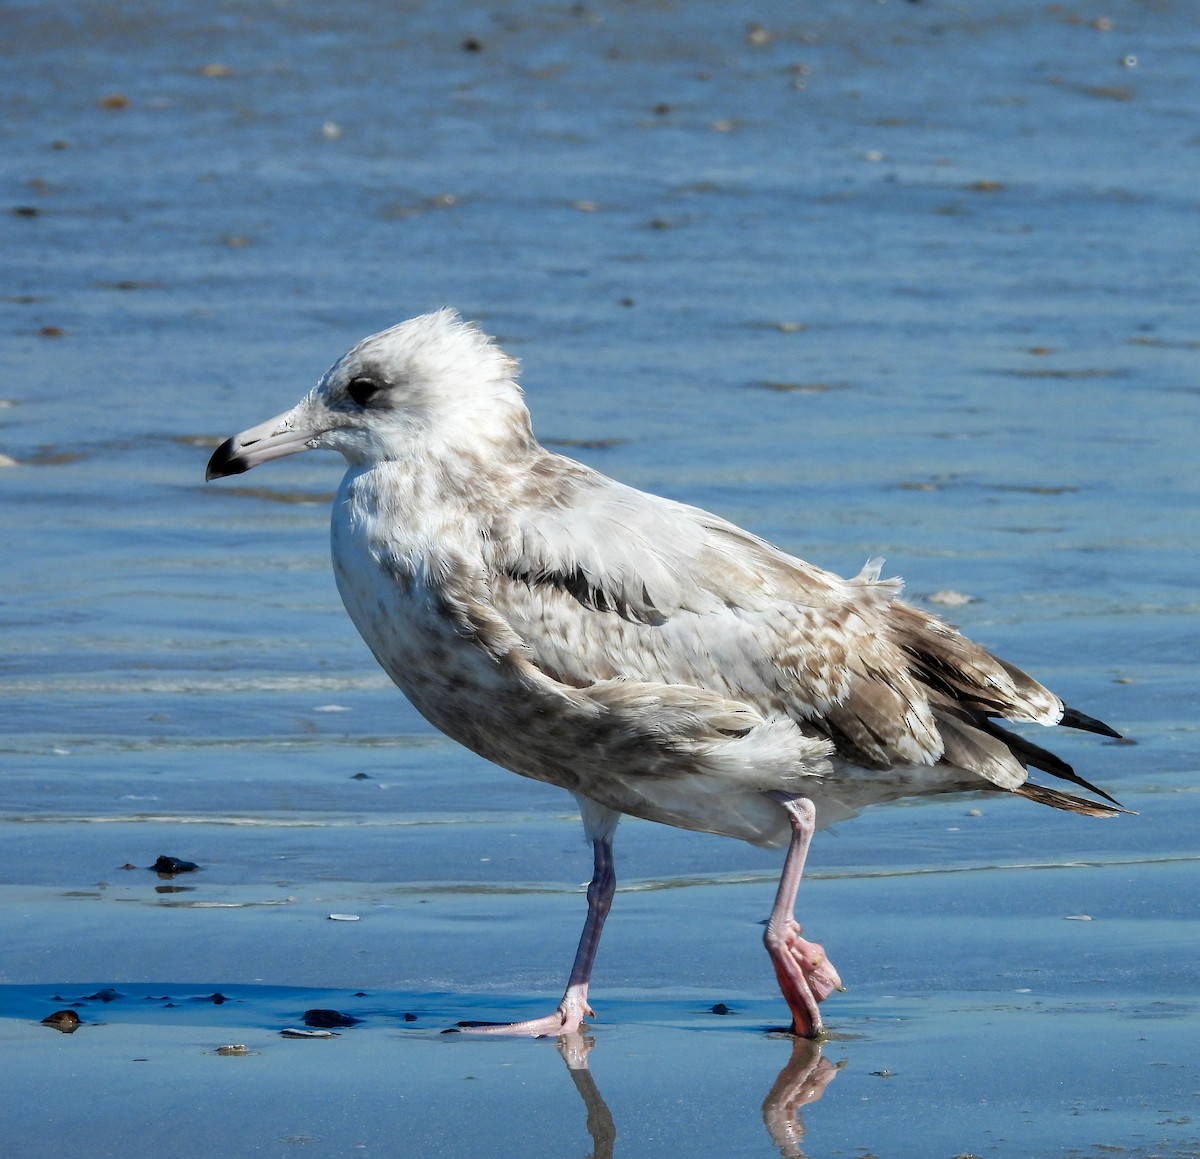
{"points": [[362, 390]]}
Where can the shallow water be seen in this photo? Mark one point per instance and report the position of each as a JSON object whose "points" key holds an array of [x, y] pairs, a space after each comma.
{"points": [[912, 280]]}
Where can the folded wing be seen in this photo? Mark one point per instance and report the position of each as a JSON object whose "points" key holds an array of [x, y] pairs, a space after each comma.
{"points": [[604, 582]]}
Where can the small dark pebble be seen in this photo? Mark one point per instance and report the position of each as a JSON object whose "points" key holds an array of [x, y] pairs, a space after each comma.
{"points": [[361, 777], [172, 865], [26, 210], [108, 994], [217, 999], [359, 994], [65, 1020], [328, 1018], [721, 1008], [410, 1018], [174, 889], [472, 44]]}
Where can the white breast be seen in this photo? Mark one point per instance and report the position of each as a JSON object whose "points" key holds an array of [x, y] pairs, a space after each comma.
{"points": [[389, 576]]}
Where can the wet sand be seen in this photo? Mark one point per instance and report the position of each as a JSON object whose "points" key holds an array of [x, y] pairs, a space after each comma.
{"points": [[990, 1018], [1044, 1009]]}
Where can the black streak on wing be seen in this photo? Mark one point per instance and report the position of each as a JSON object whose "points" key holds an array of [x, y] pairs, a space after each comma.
{"points": [[591, 595]]}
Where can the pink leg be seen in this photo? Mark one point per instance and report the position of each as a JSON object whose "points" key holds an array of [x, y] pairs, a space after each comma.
{"points": [[806, 976], [574, 1005]]}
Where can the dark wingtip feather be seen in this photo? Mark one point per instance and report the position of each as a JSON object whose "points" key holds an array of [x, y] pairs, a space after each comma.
{"points": [[1030, 754], [1073, 718]]}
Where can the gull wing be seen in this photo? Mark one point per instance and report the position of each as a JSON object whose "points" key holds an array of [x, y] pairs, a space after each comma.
{"points": [[604, 582]]}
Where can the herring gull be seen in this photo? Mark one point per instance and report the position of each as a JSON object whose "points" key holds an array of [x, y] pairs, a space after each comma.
{"points": [[649, 657]]}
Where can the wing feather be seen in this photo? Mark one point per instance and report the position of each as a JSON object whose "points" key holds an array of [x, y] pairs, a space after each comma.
{"points": [[604, 582]]}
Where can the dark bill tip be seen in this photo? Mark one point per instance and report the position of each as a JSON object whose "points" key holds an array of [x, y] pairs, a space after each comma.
{"points": [[225, 461]]}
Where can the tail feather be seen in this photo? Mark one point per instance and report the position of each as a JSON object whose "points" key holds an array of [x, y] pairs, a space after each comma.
{"points": [[1068, 801], [968, 746], [1030, 754], [947, 661], [969, 689], [973, 741]]}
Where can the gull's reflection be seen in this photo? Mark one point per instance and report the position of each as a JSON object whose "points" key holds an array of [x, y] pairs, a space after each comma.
{"points": [[574, 1049], [803, 1080]]}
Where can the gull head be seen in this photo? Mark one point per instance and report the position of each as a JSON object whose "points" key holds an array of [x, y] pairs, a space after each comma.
{"points": [[434, 384]]}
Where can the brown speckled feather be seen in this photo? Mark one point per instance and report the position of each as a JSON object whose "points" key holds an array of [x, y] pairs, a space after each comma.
{"points": [[649, 656], [660, 591]]}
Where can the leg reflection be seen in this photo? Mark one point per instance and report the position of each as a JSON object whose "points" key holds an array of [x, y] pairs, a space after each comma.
{"points": [[802, 1081], [574, 1049]]}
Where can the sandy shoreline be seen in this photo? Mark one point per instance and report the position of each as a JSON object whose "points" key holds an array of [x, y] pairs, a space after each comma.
{"points": [[983, 999]]}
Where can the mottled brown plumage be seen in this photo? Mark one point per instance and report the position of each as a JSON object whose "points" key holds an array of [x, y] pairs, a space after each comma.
{"points": [[648, 656]]}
